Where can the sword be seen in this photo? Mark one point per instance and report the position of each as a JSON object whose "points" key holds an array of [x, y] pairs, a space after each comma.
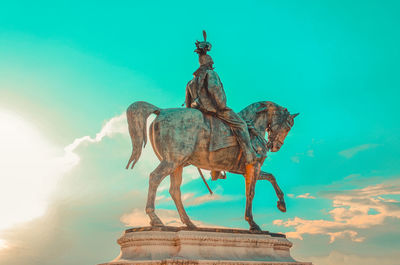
{"points": [[205, 182]]}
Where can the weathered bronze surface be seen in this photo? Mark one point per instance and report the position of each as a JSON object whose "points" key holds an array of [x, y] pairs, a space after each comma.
{"points": [[181, 137], [208, 135], [205, 92]]}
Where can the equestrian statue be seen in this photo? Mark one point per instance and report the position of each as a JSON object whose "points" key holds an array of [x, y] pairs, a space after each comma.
{"points": [[208, 135]]}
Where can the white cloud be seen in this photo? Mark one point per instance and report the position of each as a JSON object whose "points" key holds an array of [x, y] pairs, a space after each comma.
{"points": [[83, 198], [30, 166], [353, 235], [305, 196], [351, 211], [349, 153], [189, 199], [116, 125], [138, 218]]}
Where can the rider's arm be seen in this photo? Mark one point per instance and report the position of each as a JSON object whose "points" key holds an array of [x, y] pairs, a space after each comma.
{"points": [[188, 98], [216, 90]]}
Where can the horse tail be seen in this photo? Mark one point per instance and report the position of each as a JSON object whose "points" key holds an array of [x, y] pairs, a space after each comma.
{"points": [[137, 114]]}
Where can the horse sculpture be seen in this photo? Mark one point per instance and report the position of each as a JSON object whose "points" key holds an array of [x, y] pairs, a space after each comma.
{"points": [[181, 137]]}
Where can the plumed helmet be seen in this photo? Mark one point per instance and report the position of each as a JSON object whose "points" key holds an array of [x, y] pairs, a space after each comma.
{"points": [[202, 47]]}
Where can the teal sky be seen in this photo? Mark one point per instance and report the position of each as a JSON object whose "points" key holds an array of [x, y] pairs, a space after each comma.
{"points": [[68, 68]]}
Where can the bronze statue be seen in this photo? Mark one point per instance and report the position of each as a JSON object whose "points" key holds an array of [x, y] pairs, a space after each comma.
{"points": [[208, 135], [205, 92]]}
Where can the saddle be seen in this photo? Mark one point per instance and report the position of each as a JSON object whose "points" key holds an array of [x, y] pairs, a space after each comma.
{"points": [[223, 137], [221, 134]]}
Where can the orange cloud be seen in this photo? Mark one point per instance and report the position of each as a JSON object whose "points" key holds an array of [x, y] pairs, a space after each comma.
{"points": [[352, 211]]}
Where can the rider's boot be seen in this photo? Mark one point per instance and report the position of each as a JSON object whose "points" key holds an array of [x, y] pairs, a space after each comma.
{"points": [[244, 141], [217, 175]]}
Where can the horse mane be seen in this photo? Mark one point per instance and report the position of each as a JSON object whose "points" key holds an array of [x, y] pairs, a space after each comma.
{"points": [[250, 112]]}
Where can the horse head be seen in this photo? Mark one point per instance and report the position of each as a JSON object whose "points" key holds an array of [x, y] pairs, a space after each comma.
{"points": [[271, 118], [278, 129]]}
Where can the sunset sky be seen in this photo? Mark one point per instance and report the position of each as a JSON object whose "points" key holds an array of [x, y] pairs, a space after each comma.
{"points": [[69, 70]]}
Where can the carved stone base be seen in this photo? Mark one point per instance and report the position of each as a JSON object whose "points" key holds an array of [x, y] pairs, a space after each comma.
{"points": [[178, 245]]}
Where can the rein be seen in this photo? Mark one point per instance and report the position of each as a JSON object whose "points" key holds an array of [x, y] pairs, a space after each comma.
{"points": [[259, 137], [273, 134]]}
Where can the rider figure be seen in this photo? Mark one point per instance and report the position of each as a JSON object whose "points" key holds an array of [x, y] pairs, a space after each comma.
{"points": [[206, 93]]}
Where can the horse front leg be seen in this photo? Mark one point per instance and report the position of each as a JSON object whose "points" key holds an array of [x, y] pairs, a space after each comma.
{"points": [[251, 176], [281, 202]]}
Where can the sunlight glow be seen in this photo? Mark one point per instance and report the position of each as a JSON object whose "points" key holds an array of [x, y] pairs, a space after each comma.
{"points": [[3, 244], [29, 171]]}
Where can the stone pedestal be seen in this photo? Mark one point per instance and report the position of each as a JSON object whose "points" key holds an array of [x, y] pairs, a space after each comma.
{"points": [[176, 245]]}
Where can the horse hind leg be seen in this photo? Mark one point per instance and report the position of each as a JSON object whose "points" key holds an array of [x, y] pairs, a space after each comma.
{"points": [[175, 191], [164, 169]]}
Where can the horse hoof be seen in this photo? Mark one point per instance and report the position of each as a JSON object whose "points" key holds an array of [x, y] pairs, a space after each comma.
{"points": [[191, 226], [255, 227], [281, 206], [156, 223]]}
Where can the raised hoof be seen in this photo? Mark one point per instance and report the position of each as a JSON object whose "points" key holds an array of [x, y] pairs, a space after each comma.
{"points": [[255, 227], [281, 206]]}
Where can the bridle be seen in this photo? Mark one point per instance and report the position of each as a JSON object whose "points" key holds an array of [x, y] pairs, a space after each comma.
{"points": [[272, 132], [277, 117]]}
